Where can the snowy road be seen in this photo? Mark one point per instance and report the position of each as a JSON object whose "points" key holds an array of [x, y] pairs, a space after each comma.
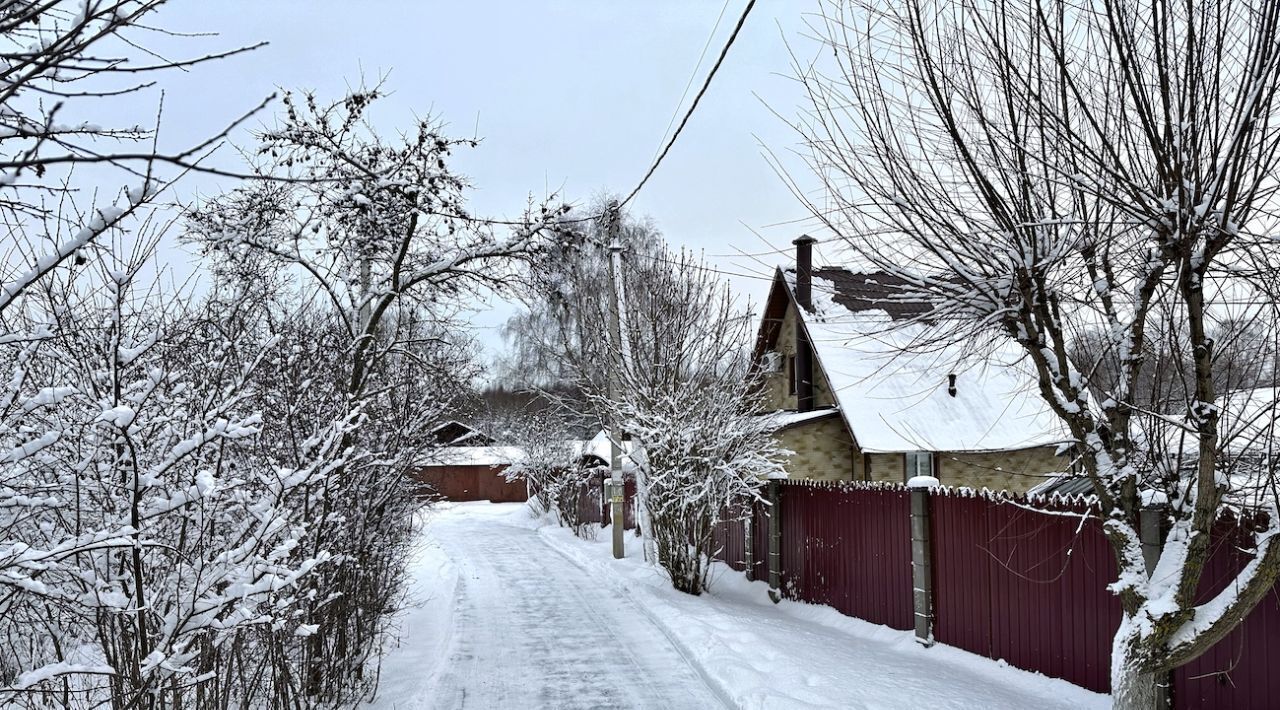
{"points": [[530, 628], [513, 615]]}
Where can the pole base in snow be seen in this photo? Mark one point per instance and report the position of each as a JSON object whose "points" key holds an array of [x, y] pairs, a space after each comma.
{"points": [[617, 521]]}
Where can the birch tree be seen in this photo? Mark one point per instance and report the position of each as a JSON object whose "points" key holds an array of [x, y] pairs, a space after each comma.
{"points": [[1042, 168], [550, 342]]}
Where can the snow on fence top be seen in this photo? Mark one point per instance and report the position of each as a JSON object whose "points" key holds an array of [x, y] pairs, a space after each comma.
{"points": [[1049, 501], [845, 485]]}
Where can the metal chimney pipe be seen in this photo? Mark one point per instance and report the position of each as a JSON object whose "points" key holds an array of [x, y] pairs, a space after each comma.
{"points": [[804, 298], [804, 271]]}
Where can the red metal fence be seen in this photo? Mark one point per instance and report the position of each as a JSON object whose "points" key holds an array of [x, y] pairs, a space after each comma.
{"points": [[594, 507], [468, 483], [730, 536], [1010, 581], [849, 548], [1241, 670], [591, 503], [759, 542], [1029, 587]]}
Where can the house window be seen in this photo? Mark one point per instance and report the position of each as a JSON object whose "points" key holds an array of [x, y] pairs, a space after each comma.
{"points": [[918, 463], [791, 374]]}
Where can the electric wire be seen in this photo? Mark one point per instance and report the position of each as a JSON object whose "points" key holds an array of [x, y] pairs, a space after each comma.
{"points": [[706, 84]]}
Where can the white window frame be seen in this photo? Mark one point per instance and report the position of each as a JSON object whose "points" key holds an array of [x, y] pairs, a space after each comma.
{"points": [[913, 461]]}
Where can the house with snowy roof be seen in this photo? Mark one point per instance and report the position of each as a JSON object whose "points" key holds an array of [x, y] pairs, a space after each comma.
{"points": [[455, 433], [863, 388], [597, 452]]}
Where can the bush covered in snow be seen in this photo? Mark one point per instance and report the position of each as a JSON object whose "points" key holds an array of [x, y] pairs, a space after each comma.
{"points": [[206, 502], [705, 452]]}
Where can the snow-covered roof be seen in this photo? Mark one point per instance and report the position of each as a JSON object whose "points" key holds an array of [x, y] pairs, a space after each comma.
{"points": [[889, 376], [473, 456], [1248, 431], [784, 420], [600, 447], [1249, 421], [461, 433], [1069, 484], [446, 425]]}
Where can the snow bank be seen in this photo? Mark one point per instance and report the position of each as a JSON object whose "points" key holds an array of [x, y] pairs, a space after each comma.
{"points": [[792, 655], [424, 626]]}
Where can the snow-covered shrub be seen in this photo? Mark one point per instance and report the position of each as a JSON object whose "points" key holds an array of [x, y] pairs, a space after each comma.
{"points": [[705, 451], [692, 406], [558, 486], [144, 546], [376, 250], [574, 489], [551, 465]]}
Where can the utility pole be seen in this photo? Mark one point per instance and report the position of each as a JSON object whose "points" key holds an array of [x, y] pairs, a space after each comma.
{"points": [[617, 487]]}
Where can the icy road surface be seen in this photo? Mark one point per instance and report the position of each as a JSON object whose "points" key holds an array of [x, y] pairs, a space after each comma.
{"points": [[514, 613], [529, 628]]}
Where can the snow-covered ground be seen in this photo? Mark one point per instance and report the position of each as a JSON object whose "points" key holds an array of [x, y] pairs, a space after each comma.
{"points": [[515, 613]]}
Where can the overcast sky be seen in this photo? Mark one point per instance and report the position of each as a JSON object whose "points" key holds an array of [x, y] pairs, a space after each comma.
{"points": [[568, 95]]}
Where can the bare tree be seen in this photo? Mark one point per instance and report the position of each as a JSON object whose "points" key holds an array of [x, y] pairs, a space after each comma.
{"points": [[376, 239], [63, 61], [692, 406], [1040, 168]]}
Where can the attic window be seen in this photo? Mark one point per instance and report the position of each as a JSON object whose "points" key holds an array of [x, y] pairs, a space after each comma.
{"points": [[918, 463], [791, 374]]}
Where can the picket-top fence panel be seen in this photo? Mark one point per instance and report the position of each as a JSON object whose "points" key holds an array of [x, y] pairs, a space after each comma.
{"points": [[1011, 580], [1025, 586]]}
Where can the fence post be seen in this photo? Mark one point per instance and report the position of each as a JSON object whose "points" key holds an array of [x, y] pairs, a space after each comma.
{"points": [[775, 541], [921, 558], [748, 530], [1151, 531]]}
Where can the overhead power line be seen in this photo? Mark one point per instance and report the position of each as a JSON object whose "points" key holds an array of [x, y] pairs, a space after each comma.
{"points": [[667, 148], [693, 106], [675, 113]]}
